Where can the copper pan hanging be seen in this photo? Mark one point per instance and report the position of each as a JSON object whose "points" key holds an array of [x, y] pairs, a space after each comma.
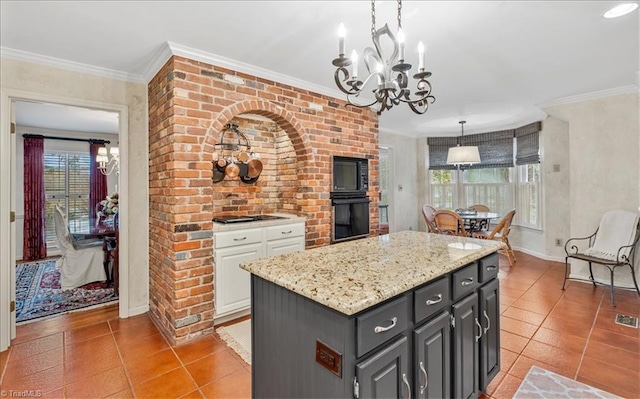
{"points": [[254, 168]]}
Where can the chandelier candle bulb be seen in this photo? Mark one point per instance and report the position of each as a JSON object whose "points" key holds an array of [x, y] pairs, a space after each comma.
{"points": [[420, 56], [401, 39], [341, 34]]}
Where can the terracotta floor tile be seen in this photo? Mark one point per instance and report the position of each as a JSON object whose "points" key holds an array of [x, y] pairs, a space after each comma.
{"points": [[152, 366], [170, 385], [493, 385], [17, 368], [205, 346], [124, 394], [99, 385], [506, 299], [89, 348], [141, 323], [626, 342], [624, 305], [561, 325], [213, 367], [560, 340], [616, 390], [523, 364], [44, 381], [517, 327], [507, 358], [84, 367], [196, 395], [606, 320], [236, 385], [513, 283], [85, 333], [537, 307], [613, 355], [36, 346], [611, 375], [55, 394], [142, 347], [508, 387], [514, 343], [563, 359], [525, 315], [511, 292], [4, 357]]}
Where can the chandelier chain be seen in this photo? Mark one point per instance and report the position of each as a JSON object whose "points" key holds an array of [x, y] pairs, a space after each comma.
{"points": [[373, 18], [399, 14]]}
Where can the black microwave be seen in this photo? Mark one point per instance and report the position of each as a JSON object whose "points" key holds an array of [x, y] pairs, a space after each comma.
{"points": [[350, 175]]}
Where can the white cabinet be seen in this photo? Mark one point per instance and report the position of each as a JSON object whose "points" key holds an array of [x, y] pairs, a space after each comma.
{"points": [[232, 290]]}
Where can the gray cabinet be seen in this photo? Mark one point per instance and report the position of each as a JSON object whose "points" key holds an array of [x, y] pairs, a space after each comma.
{"points": [[385, 373], [490, 340], [432, 366], [466, 334]]}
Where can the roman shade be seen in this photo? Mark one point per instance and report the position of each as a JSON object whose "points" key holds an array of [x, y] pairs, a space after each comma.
{"points": [[528, 144], [496, 150], [438, 151]]}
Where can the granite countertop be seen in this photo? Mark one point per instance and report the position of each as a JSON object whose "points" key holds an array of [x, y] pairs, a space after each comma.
{"points": [[288, 218], [352, 276]]}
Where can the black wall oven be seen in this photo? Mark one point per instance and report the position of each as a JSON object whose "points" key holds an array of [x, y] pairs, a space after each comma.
{"points": [[350, 218]]}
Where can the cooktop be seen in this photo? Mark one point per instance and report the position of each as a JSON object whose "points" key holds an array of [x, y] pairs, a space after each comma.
{"points": [[242, 219]]}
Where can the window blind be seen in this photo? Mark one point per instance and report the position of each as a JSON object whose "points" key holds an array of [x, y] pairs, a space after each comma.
{"points": [[528, 144], [438, 151], [496, 149]]}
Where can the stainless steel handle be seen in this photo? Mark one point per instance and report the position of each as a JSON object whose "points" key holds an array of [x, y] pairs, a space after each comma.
{"points": [[380, 329], [240, 239], [467, 281], [404, 379], [486, 316], [434, 301], [287, 232], [479, 330], [491, 268], [426, 380]]}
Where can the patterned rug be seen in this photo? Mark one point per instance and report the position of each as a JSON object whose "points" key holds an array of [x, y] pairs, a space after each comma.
{"points": [[38, 292], [238, 337], [543, 384]]}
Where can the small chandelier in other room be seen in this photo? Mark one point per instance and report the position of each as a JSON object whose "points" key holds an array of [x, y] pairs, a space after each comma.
{"points": [[106, 165], [387, 78], [463, 155]]}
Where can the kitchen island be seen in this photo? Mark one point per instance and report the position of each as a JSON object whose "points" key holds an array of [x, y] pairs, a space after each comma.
{"points": [[407, 314]]}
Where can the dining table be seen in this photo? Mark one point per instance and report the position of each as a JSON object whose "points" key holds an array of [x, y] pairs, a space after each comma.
{"points": [[100, 231], [476, 221]]}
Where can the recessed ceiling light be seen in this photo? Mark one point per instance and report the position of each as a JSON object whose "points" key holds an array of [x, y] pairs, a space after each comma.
{"points": [[620, 10]]}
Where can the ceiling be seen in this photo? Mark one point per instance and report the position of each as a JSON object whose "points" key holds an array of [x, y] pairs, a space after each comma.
{"points": [[494, 63]]}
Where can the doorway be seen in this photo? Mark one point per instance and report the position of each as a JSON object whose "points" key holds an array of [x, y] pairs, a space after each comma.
{"points": [[12, 101]]}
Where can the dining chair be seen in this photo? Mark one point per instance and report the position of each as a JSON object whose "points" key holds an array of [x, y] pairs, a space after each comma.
{"points": [[449, 222], [79, 264], [501, 233], [612, 245], [429, 218]]}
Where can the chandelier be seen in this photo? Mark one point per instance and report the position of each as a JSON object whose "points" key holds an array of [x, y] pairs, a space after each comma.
{"points": [[463, 154], [108, 165], [387, 78]]}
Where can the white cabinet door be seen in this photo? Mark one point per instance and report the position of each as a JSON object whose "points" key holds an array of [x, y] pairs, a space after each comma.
{"points": [[232, 284], [286, 246]]}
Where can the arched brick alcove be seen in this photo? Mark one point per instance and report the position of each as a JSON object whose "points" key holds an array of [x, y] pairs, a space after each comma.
{"points": [[189, 104]]}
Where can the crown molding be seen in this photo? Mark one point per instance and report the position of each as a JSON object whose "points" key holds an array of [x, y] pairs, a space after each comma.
{"points": [[73, 66], [213, 59], [157, 62], [590, 96]]}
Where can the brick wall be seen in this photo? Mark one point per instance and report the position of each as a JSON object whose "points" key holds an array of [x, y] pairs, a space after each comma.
{"points": [[189, 104]]}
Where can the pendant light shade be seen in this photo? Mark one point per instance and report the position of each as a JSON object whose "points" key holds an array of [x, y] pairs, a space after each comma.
{"points": [[463, 155]]}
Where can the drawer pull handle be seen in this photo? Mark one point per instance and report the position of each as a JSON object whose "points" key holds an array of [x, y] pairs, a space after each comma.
{"points": [[434, 301], [406, 383], [379, 329], [479, 330], [486, 316], [467, 281], [491, 268], [287, 232], [426, 380], [240, 239]]}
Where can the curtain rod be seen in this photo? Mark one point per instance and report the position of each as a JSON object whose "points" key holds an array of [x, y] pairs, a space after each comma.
{"points": [[39, 136]]}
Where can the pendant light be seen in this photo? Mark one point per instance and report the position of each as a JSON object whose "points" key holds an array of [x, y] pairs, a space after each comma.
{"points": [[461, 154]]}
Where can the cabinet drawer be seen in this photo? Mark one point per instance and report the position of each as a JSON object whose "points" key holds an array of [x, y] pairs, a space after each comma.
{"points": [[379, 325], [237, 237], [431, 299], [285, 231], [465, 281], [488, 267]]}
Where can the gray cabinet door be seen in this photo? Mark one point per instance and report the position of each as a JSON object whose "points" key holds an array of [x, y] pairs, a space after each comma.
{"points": [[490, 341], [466, 332], [432, 366], [385, 374]]}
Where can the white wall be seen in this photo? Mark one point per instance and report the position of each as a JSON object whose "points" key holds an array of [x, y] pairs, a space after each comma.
{"points": [[82, 89], [604, 165], [50, 145], [403, 181]]}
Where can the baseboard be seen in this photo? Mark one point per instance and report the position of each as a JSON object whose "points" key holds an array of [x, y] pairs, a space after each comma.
{"points": [[539, 255], [232, 316], [138, 310]]}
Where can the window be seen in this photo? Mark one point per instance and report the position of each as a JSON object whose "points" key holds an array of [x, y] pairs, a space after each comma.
{"points": [[384, 185], [529, 214], [491, 187], [443, 189], [66, 182]]}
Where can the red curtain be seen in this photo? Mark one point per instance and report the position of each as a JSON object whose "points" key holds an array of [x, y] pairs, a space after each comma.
{"points": [[97, 181], [34, 245]]}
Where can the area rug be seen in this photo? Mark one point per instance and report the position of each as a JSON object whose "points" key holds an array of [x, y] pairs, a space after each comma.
{"points": [[544, 384], [238, 337], [38, 292]]}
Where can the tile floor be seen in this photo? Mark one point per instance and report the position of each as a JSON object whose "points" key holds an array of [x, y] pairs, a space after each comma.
{"points": [[94, 354]]}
